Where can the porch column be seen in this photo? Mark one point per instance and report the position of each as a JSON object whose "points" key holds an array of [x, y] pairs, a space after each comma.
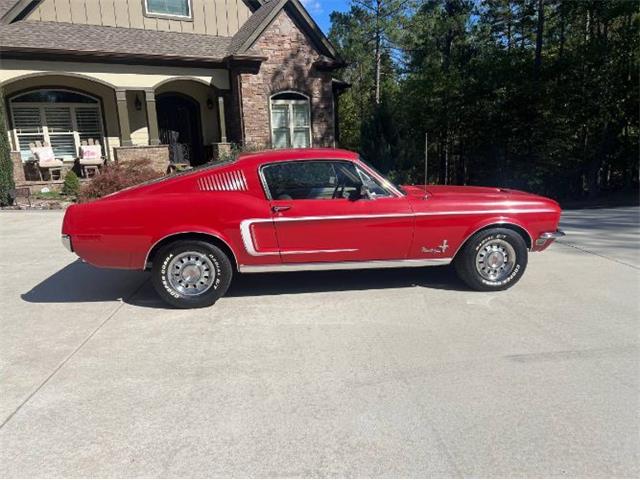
{"points": [[221, 120], [152, 117], [123, 118]]}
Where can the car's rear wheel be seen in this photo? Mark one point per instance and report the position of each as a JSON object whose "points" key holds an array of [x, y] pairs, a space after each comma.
{"points": [[191, 274], [493, 259]]}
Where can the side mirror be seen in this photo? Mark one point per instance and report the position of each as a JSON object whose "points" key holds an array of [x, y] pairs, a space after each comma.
{"points": [[360, 193]]}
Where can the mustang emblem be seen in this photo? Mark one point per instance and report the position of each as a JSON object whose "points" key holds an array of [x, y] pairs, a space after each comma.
{"points": [[439, 249]]}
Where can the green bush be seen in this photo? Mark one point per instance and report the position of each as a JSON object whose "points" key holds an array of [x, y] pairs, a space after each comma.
{"points": [[237, 150], [6, 165], [71, 184]]}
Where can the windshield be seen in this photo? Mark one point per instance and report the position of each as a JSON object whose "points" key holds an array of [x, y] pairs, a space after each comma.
{"points": [[388, 183]]}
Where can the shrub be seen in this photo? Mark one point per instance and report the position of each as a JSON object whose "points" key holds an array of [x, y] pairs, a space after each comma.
{"points": [[71, 185], [117, 176], [6, 165], [237, 150]]}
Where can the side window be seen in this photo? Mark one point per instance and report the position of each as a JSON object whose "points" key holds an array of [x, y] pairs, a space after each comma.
{"points": [[311, 180]]}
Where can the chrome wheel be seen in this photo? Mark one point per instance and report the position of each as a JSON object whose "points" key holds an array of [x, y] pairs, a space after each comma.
{"points": [[191, 273], [495, 260]]}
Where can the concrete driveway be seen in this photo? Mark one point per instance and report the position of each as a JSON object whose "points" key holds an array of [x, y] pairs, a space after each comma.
{"points": [[369, 373]]}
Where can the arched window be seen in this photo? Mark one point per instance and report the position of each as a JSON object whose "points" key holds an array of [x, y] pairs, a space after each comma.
{"points": [[290, 120], [60, 118]]}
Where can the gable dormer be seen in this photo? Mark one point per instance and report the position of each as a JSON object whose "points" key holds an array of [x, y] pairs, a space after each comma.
{"points": [[211, 17]]}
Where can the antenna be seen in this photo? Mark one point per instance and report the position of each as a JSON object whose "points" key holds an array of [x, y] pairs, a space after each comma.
{"points": [[426, 161]]}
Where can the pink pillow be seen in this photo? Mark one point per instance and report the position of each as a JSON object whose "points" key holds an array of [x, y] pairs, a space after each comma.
{"points": [[44, 155], [91, 152]]}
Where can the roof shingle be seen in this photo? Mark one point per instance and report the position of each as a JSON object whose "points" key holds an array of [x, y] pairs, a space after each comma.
{"points": [[76, 38], [5, 6], [249, 28], [79, 39]]}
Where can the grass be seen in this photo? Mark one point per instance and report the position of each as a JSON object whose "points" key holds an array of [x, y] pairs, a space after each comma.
{"points": [[52, 196]]}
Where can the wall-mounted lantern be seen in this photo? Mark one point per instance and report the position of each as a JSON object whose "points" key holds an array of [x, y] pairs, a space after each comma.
{"points": [[210, 103], [137, 103]]}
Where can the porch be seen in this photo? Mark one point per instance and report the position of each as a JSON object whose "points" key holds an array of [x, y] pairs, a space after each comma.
{"points": [[166, 115]]}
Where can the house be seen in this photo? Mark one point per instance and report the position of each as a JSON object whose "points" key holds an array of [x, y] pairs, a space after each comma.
{"points": [[141, 75]]}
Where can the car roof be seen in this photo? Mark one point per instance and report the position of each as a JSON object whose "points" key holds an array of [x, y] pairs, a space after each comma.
{"points": [[268, 156]]}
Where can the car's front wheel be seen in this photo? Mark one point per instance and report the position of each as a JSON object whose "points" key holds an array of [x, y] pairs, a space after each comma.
{"points": [[191, 274], [493, 259]]}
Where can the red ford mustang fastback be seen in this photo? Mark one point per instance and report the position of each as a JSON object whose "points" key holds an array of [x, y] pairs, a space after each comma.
{"points": [[311, 209]]}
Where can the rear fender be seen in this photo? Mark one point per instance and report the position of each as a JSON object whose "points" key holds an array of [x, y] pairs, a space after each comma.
{"points": [[186, 230]]}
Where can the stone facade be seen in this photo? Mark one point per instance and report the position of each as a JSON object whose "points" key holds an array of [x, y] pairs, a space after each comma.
{"points": [[18, 168], [220, 151], [157, 154], [289, 66]]}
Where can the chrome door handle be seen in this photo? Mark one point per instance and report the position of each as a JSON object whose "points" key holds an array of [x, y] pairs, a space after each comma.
{"points": [[280, 208]]}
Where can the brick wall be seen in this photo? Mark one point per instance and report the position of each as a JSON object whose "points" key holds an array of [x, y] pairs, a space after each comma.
{"points": [[157, 154], [289, 67]]}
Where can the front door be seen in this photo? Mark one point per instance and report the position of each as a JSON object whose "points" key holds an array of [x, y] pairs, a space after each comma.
{"points": [[179, 126], [320, 214]]}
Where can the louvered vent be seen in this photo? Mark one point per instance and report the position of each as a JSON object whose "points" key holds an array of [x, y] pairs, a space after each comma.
{"points": [[225, 181]]}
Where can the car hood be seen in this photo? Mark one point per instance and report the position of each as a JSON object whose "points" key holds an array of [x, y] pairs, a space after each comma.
{"points": [[455, 190], [444, 191], [478, 197]]}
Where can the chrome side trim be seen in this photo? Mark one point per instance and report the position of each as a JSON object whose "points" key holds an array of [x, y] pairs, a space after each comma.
{"points": [[233, 180], [197, 232], [484, 212], [335, 250], [318, 266], [396, 215]]}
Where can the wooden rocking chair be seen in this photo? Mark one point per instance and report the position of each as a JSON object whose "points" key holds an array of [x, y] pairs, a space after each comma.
{"points": [[46, 160], [90, 158]]}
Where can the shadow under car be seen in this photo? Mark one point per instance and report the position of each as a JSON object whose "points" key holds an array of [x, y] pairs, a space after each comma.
{"points": [[80, 282]]}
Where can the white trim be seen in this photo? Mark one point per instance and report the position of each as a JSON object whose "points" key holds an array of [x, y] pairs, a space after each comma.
{"points": [[249, 244], [168, 16], [247, 237], [73, 106], [289, 103], [297, 267], [232, 180]]}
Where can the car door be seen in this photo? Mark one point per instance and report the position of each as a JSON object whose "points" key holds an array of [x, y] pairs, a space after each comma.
{"points": [[320, 214]]}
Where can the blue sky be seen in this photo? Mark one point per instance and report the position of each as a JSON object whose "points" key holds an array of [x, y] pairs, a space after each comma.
{"points": [[321, 9]]}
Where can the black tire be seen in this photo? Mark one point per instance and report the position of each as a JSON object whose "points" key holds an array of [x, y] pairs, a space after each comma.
{"points": [[474, 271], [213, 274]]}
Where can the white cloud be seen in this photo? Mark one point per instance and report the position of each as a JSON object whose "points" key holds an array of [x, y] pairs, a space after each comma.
{"points": [[313, 6]]}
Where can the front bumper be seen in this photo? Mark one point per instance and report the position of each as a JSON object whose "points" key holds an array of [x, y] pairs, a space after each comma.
{"points": [[549, 236], [66, 241]]}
